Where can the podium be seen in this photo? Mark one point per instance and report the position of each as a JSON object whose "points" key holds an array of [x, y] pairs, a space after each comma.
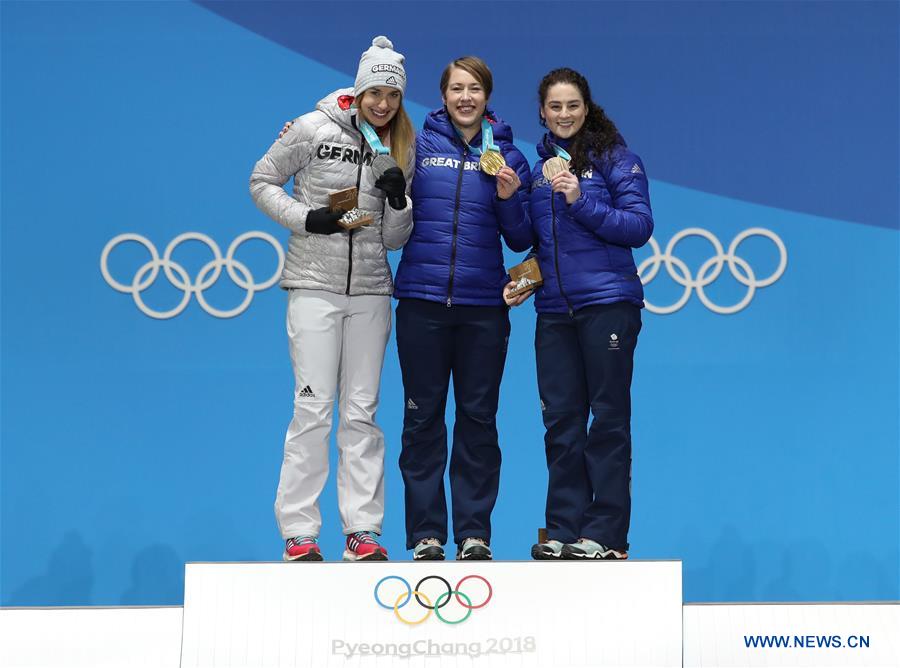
{"points": [[433, 614]]}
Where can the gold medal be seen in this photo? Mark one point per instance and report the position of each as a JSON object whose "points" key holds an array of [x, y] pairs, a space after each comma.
{"points": [[554, 166], [492, 162]]}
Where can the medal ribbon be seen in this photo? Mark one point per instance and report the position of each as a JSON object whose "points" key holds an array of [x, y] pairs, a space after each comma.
{"points": [[561, 152], [487, 138], [371, 137]]}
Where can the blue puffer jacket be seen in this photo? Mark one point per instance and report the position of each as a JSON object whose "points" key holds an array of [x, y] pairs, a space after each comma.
{"points": [[584, 249], [454, 254]]}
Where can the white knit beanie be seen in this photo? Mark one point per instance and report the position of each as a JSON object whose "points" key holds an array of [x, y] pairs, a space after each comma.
{"points": [[380, 65]]}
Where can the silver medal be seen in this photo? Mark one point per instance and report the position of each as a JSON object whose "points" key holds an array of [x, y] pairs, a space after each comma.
{"points": [[382, 163]]}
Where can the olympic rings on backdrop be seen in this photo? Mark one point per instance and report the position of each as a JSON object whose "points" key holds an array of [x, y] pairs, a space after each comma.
{"points": [[413, 593], [177, 275], [238, 272], [480, 605], [469, 608], [428, 608], [392, 577], [433, 577], [709, 271]]}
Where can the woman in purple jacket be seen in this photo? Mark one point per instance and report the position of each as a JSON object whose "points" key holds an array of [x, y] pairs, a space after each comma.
{"points": [[451, 317], [589, 207]]}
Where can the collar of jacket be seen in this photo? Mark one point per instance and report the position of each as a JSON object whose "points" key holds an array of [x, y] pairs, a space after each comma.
{"points": [[545, 150], [439, 121]]}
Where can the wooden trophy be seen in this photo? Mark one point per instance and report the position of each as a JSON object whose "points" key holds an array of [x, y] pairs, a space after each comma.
{"points": [[347, 202], [527, 276]]}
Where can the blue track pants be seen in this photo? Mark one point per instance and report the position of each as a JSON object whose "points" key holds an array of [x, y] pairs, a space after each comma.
{"points": [[584, 366], [469, 343]]}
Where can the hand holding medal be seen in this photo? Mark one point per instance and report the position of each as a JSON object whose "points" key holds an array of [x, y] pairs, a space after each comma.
{"points": [[389, 178], [567, 184], [556, 170], [508, 182], [386, 173]]}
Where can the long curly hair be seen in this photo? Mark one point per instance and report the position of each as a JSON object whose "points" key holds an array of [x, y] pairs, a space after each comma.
{"points": [[598, 136]]}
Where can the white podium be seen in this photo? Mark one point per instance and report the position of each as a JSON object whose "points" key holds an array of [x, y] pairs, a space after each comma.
{"points": [[433, 614]]}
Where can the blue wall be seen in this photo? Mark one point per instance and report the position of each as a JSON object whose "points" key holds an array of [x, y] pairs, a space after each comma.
{"points": [[766, 441]]}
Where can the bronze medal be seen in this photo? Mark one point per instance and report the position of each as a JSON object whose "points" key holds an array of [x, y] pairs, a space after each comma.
{"points": [[554, 166], [491, 162]]}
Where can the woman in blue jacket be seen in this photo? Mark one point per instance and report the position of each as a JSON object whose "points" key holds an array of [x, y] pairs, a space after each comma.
{"points": [[589, 207], [451, 316]]}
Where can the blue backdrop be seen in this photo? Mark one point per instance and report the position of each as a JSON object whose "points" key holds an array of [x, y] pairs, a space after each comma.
{"points": [[766, 439]]}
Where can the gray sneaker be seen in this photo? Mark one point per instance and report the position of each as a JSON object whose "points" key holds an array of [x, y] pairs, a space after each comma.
{"points": [[474, 549], [551, 549], [428, 549], [585, 548]]}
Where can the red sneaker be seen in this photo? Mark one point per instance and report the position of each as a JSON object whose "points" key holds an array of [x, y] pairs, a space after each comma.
{"points": [[362, 546], [302, 548]]}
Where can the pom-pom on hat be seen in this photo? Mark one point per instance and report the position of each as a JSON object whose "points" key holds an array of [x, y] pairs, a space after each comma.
{"points": [[380, 65]]}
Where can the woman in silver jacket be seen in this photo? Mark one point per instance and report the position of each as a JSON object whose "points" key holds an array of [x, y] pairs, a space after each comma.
{"points": [[339, 315]]}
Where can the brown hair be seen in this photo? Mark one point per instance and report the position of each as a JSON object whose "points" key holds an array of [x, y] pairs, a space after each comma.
{"points": [[598, 136], [474, 66]]}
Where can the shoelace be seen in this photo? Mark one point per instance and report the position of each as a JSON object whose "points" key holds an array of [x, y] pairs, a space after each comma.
{"points": [[354, 540], [304, 540], [430, 541]]}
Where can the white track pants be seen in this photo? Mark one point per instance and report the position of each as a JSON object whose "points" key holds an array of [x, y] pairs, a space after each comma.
{"points": [[337, 345]]}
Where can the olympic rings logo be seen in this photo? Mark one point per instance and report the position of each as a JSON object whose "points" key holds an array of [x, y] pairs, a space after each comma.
{"points": [[709, 271], [425, 601], [177, 275]]}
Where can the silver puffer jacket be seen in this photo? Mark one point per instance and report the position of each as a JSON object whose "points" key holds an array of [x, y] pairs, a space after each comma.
{"points": [[324, 152]]}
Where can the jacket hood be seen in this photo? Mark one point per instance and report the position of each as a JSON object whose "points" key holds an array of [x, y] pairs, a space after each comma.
{"points": [[332, 105], [439, 121]]}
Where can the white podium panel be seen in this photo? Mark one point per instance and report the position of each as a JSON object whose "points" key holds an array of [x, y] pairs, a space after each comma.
{"points": [[792, 634], [465, 614]]}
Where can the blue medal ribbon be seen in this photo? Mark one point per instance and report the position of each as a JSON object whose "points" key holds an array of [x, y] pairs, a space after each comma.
{"points": [[560, 152], [487, 138], [372, 137]]}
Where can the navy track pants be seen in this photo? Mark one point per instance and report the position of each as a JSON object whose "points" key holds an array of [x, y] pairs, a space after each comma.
{"points": [[584, 366], [470, 343]]}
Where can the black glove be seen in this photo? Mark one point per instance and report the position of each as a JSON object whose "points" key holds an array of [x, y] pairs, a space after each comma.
{"points": [[393, 183], [323, 221]]}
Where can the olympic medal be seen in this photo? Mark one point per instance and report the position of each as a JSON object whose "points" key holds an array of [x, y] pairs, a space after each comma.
{"points": [[381, 163], [492, 162], [554, 166]]}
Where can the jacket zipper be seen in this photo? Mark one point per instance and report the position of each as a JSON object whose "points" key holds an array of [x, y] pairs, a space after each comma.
{"points": [[556, 253], [358, 181], [462, 166]]}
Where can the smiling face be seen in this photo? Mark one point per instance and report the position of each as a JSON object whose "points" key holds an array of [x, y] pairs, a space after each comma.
{"points": [[465, 99], [378, 105], [564, 110]]}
